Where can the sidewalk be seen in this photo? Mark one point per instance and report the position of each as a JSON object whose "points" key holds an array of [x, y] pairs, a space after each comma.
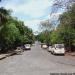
{"points": [[2, 56], [71, 54], [11, 53]]}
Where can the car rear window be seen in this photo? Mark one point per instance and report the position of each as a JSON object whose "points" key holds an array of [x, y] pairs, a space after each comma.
{"points": [[59, 46], [27, 45]]}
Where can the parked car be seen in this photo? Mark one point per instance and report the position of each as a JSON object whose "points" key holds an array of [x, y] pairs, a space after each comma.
{"points": [[43, 45], [49, 48], [27, 47], [58, 49]]}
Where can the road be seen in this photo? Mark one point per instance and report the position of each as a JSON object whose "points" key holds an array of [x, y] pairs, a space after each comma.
{"points": [[36, 62]]}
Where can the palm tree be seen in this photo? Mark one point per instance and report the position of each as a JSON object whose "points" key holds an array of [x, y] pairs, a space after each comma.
{"points": [[3, 15]]}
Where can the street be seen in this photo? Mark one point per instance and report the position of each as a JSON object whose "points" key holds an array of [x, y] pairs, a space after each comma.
{"points": [[36, 62]]}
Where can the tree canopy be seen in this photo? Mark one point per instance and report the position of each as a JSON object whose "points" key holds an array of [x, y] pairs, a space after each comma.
{"points": [[13, 32], [64, 32]]}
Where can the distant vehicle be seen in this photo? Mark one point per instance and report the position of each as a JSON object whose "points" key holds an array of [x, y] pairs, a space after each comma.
{"points": [[58, 49], [43, 45], [27, 47]]}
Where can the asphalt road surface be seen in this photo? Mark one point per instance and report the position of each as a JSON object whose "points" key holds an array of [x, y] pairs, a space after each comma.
{"points": [[36, 62]]}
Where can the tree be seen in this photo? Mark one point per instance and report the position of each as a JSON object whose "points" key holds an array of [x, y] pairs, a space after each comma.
{"points": [[61, 4], [66, 28], [8, 35], [13, 32], [46, 25], [44, 37], [4, 15]]}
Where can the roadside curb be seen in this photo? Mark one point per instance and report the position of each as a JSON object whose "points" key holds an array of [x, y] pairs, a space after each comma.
{"points": [[3, 56], [71, 54]]}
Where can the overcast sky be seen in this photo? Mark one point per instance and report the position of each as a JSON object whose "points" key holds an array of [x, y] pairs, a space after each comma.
{"points": [[30, 11]]}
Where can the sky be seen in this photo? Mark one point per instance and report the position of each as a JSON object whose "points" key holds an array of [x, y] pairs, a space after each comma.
{"points": [[30, 11]]}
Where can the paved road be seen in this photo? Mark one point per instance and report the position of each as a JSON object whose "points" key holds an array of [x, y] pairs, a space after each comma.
{"points": [[36, 62]]}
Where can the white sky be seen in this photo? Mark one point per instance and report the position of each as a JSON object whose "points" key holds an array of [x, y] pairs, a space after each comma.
{"points": [[30, 11]]}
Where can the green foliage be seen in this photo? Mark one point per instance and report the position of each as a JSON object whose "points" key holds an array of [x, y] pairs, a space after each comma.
{"points": [[44, 37], [8, 36], [65, 31], [54, 37], [13, 32]]}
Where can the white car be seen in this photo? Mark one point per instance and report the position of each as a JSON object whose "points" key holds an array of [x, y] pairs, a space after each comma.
{"points": [[44, 46], [58, 49], [27, 46]]}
